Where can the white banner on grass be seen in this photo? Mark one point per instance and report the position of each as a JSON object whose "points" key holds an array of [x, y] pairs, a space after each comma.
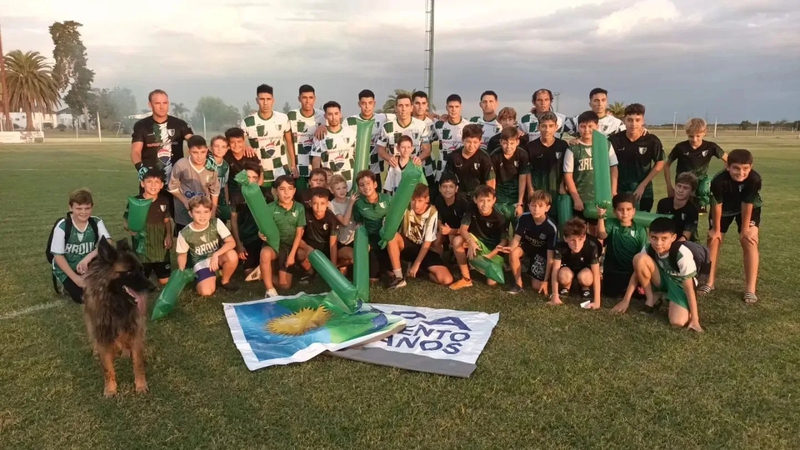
{"points": [[442, 341]]}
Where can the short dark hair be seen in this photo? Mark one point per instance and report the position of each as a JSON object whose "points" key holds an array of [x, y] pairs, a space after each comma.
{"points": [[575, 227], [421, 190], [155, 92], [548, 116], [331, 104], [283, 179], [484, 191], [405, 138], [402, 96], [366, 93], [539, 91], [492, 93], [509, 133], [453, 98], [365, 174], [472, 130], [623, 197], [418, 94], [81, 197], [306, 88], [254, 166], [740, 156], [318, 171], [662, 225], [196, 141], [264, 89], [588, 116], [448, 177], [234, 132], [634, 109], [320, 192], [689, 179], [596, 91], [154, 172]]}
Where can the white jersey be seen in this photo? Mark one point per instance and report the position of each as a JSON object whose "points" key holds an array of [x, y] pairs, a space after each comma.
{"points": [[529, 124], [303, 129], [585, 164], [337, 151], [266, 137], [607, 125], [449, 137], [421, 228], [416, 129], [375, 162], [490, 128]]}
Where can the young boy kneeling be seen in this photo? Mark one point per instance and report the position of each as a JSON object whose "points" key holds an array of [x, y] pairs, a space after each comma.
{"points": [[483, 232], [653, 269], [414, 241], [198, 247], [322, 230], [576, 257], [624, 239], [535, 237], [290, 219]]}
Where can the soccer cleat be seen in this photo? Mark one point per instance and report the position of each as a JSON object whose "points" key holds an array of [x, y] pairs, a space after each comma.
{"points": [[307, 278], [397, 283], [271, 293], [514, 289], [563, 292], [586, 294], [461, 284], [230, 286]]}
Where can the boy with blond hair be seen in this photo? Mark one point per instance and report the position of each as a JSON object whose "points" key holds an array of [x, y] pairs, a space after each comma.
{"points": [[507, 118], [694, 155]]}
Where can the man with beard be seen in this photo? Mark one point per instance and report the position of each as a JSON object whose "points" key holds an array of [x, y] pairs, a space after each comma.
{"points": [[542, 103]]}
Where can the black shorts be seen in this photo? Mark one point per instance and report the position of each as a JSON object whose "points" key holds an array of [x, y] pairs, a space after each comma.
{"points": [[411, 251], [433, 187], [74, 291], [340, 246], [324, 248], [538, 265], [725, 223], [378, 260], [253, 250], [579, 214], [283, 253], [161, 269], [177, 229], [615, 284], [645, 204]]}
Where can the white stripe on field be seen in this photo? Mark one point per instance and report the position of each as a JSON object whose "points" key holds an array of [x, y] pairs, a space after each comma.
{"points": [[33, 309]]}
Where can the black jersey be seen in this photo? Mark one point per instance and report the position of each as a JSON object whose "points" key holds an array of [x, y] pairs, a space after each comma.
{"points": [[636, 160], [489, 229], [451, 215], [547, 165], [695, 160], [471, 172], [536, 238], [733, 193], [319, 231], [685, 218], [162, 143], [584, 259]]}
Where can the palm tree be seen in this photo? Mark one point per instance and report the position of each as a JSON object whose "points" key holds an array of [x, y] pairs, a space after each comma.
{"points": [[179, 110], [31, 87], [617, 109]]}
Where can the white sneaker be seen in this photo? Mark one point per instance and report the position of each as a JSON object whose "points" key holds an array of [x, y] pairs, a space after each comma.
{"points": [[271, 293], [255, 275]]}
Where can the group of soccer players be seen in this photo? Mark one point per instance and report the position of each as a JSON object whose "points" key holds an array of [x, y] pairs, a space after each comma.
{"points": [[489, 197]]}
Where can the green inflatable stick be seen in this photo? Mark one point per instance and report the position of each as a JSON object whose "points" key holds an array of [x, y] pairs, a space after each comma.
{"points": [[363, 143], [490, 268], [590, 211], [564, 208], [361, 264], [258, 207], [169, 296], [137, 213], [704, 191], [645, 218], [602, 170], [333, 278], [412, 175]]}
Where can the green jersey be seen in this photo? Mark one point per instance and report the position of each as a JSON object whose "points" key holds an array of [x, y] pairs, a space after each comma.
{"points": [[200, 244], [578, 162], [372, 214], [287, 221], [76, 246], [623, 243]]}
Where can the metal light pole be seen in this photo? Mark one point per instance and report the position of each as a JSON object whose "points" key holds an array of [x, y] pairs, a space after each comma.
{"points": [[429, 8]]}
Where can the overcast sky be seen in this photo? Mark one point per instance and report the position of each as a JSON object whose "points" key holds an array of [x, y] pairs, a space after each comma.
{"points": [[731, 60]]}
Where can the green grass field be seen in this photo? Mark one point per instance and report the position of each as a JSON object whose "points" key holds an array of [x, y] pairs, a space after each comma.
{"points": [[549, 377]]}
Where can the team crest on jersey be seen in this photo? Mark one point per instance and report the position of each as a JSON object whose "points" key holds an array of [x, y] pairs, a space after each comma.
{"points": [[203, 238], [633, 233], [488, 225], [279, 127], [171, 132], [476, 165], [542, 236], [80, 236], [325, 226], [163, 208], [294, 213], [382, 204], [683, 216], [604, 128], [705, 152], [642, 150], [558, 155], [741, 186]]}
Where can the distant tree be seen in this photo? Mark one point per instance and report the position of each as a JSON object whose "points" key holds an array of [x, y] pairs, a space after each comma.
{"points": [[70, 70], [100, 103], [617, 109], [124, 102], [764, 123], [745, 125], [286, 108], [31, 87], [247, 109], [179, 110], [218, 115]]}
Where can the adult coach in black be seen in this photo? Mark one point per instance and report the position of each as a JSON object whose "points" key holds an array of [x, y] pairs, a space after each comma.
{"points": [[157, 140]]}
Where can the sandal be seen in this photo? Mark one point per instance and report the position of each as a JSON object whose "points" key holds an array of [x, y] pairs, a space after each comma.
{"points": [[750, 298], [704, 289]]}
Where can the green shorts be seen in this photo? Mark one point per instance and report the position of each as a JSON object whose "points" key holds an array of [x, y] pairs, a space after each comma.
{"points": [[672, 288], [484, 250]]}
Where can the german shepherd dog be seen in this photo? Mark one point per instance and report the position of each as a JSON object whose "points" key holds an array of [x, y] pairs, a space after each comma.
{"points": [[115, 299]]}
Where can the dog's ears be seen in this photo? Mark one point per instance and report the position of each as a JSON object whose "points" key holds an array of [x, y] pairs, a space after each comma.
{"points": [[106, 251], [123, 246]]}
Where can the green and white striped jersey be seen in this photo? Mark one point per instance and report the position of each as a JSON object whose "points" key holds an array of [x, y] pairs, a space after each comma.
{"points": [[529, 123], [490, 128], [303, 129], [375, 162], [266, 135], [449, 137], [416, 129], [76, 246], [607, 125], [337, 151], [201, 244]]}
